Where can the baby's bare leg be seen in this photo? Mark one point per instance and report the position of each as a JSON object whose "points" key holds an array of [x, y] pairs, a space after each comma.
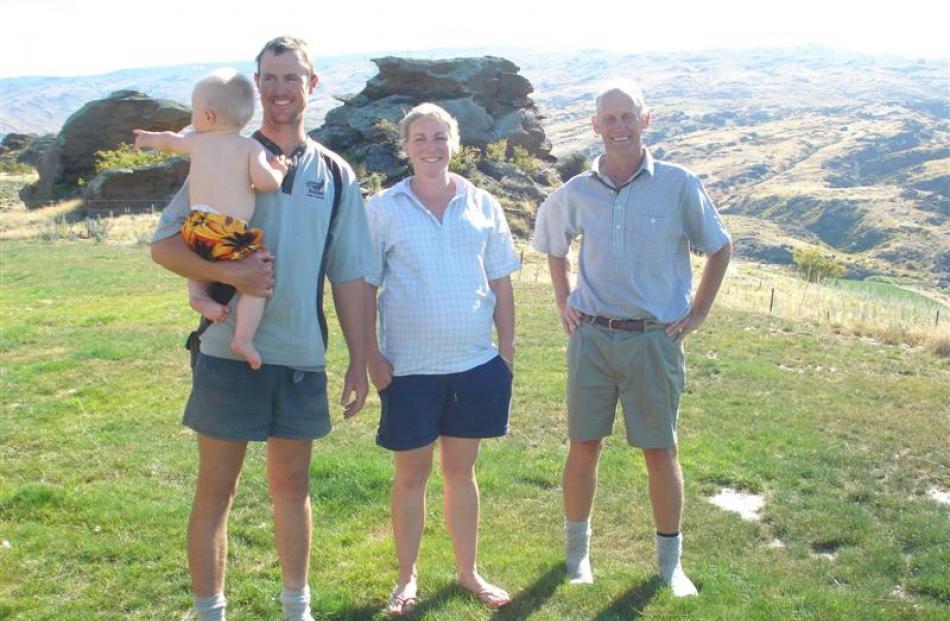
{"points": [[249, 309], [199, 297]]}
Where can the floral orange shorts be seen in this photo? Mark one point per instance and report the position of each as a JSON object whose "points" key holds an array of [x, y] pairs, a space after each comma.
{"points": [[217, 237]]}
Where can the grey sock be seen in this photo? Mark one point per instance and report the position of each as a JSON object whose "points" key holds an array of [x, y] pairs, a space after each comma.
{"points": [[578, 552], [296, 605], [668, 552], [210, 607]]}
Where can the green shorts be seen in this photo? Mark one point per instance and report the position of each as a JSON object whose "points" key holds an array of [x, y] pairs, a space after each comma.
{"points": [[231, 401], [645, 370]]}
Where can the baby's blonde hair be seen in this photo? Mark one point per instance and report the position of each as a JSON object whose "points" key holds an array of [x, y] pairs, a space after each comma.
{"points": [[230, 94]]}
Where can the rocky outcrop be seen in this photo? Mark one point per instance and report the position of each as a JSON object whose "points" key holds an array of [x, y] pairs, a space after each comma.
{"points": [[139, 189], [36, 150], [16, 142], [486, 95], [100, 125]]}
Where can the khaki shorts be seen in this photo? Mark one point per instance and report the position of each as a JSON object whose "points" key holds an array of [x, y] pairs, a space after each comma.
{"points": [[646, 371]]}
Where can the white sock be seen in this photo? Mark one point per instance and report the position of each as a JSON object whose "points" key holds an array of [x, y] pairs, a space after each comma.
{"points": [[296, 605], [210, 607], [668, 551], [578, 552]]}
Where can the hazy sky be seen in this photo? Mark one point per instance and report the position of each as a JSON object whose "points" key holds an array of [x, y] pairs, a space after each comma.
{"points": [[70, 37]]}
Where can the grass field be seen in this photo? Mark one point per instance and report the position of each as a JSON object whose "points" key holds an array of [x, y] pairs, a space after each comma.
{"points": [[846, 439]]}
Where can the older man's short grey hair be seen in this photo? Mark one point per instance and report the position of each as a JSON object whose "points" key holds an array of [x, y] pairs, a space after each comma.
{"points": [[625, 87]]}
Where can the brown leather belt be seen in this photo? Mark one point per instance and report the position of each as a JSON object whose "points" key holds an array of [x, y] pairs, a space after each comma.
{"points": [[625, 325]]}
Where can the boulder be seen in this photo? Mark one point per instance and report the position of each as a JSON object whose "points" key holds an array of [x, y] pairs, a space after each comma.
{"points": [[486, 95], [100, 125], [16, 142], [36, 151], [120, 190]]}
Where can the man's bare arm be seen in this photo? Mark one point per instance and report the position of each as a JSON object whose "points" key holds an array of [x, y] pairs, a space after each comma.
{"points": [[349, 299], [252, 275], [713, 272], [559, 268]]}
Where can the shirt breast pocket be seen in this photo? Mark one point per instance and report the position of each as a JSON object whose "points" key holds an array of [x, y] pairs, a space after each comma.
{"points": [[653, 239]]}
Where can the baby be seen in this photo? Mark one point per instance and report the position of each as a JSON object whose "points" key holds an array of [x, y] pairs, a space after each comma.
{"points": [[226, 168]]}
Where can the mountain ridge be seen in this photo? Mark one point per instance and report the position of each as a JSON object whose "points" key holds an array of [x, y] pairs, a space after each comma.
{"points": [[846, 151]]}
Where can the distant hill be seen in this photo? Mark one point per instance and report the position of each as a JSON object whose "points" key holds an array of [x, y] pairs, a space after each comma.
{"points": [[846, 151]]}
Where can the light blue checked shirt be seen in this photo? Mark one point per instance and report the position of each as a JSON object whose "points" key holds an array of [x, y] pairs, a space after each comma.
{"points": [[635, 239], [436, 308]]}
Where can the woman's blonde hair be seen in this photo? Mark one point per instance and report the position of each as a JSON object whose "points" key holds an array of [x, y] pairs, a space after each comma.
{"points": [[438, 112]]}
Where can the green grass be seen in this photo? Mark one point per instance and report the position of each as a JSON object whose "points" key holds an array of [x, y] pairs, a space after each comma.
{"points": [[843, 436], [888, 291]]}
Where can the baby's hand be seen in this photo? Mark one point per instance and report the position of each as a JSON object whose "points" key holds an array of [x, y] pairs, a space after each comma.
{"points": [[141, 138], [279, 163]]}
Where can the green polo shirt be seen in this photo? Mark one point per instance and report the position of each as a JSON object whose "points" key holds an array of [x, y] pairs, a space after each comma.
{"points": [[295, 220]]}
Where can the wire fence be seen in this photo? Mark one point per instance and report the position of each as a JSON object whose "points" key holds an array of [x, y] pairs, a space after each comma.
{"points": [[750, 287]]}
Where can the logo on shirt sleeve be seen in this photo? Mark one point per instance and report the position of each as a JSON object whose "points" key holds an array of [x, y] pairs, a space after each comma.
{"points": [[317, 189]]}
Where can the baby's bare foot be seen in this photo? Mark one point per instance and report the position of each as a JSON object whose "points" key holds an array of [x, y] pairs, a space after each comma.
{"points": [[209, 308], [248, 352]]}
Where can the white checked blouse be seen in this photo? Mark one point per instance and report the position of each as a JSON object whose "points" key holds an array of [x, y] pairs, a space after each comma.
{"points": [[435, 305]]}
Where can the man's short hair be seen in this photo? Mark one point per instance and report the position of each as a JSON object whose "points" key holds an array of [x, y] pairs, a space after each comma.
{"points": [[287, 44], [230, 94], [627, 87], [429, 109]]}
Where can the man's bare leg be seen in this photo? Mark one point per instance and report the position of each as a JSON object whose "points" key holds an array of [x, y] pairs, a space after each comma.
{"points": [[666, 498], [580, 486], [288, 478], [219, 469]]}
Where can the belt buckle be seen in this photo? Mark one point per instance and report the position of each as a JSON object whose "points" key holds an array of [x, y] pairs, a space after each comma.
{"points": [[610, 323]]}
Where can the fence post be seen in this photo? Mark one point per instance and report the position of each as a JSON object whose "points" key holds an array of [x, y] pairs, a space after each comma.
{"points": [[772, 301]]}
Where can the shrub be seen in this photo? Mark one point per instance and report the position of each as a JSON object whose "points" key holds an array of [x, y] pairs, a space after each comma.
{"points": [[372, 183], [464, 160], [9, 167], [497, 151], [523, 160], [815, 266], [389, 131], [127, 157], [572, 165], [96, 229]]}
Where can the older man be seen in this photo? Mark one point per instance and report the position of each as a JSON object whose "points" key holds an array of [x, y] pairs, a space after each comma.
{"points": [[284, 402], [638, 219]]}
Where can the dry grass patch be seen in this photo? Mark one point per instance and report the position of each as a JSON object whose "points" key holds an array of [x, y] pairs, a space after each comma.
{"points": [[939, 345]]}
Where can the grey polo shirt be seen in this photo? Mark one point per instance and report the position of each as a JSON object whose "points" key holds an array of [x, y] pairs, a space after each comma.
{"points": [[635, 240], [295, 220]]}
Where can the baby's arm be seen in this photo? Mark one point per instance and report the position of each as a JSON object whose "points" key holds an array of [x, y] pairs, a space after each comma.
{"points": [[266, 174], [175, 142]]}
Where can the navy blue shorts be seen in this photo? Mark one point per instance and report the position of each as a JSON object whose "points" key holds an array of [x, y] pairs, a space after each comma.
{"points": [[231, 401], [417, 409]]}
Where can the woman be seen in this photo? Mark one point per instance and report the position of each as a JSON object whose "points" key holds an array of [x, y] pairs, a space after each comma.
{"points": [[444, 253]]}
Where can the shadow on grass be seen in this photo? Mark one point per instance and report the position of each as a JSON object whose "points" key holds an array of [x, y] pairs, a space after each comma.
{"points": [[522, 604], [630, 605], [533, 597]]}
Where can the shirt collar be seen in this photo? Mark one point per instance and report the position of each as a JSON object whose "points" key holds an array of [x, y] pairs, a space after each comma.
{"points": [[404, 187], [646, 165]]}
